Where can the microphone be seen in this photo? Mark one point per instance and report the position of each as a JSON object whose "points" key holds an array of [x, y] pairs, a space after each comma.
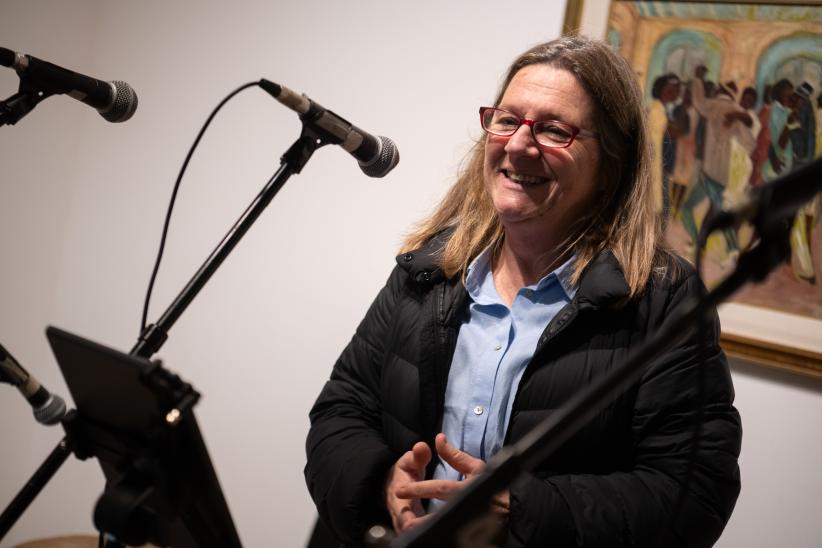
{"points": [[773, 202], [48, 408], [115, 101], [376, 155]]}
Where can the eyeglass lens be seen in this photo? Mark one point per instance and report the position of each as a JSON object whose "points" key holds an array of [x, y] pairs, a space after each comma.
{"points": [[549, 133]]}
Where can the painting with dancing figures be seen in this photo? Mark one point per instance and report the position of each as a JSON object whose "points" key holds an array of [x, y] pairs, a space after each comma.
{"points": [[734, 95]]}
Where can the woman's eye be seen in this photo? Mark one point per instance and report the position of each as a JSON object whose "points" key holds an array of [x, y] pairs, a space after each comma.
{"points": [[507, 121], [553, 131]]}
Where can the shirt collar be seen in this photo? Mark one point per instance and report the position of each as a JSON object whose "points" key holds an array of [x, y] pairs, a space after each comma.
{"points": [[479, 283], [564, 273]]}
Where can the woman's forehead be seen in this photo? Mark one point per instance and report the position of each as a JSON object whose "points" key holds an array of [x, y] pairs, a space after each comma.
{"points": [[545, 90]]}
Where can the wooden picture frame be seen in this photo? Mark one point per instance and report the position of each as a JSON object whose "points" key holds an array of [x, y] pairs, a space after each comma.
{"points": [[754, 333]]}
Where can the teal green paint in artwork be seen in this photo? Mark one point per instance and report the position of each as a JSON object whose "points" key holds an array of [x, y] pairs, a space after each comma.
{"points": [[805, 46], [695, 39]]}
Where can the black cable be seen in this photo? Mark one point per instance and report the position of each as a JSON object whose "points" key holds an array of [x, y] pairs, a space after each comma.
{"points": [[702, 359], [174, 197]]}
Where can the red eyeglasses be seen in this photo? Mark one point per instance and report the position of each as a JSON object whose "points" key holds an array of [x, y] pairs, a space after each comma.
{"points": [[547, 133]]}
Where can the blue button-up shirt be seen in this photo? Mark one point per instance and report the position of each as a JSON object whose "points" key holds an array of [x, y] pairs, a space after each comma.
{"points": [[493, 348]]}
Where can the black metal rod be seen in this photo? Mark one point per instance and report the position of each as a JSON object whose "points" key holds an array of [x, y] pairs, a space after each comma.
{"points": [[153, 337], [33, 487]]}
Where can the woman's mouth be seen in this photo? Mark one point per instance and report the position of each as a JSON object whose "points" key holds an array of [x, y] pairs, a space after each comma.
{"points": [[524, 180]]}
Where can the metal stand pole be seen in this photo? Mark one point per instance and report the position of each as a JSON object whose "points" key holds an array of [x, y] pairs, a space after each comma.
{"points": [[33, 487], [154, 335]]}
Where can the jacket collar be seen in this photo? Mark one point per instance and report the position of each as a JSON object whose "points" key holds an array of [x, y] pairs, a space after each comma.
{"points": [[602, 284], [422, 264]]}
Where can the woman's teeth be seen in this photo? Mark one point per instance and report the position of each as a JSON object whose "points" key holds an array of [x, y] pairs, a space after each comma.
{"points": [[524, 179]]}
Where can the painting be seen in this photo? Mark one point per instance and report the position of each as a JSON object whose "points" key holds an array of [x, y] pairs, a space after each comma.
{"points": [[734, 100]]}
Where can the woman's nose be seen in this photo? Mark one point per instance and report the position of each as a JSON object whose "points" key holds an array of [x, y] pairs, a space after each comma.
{"points": [[522, 142]]}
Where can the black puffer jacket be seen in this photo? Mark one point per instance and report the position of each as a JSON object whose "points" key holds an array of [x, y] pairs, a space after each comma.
{"points": [[613, 484]]}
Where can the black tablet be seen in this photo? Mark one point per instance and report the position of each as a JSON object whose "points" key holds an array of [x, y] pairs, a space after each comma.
{"points": [[135, 417]]}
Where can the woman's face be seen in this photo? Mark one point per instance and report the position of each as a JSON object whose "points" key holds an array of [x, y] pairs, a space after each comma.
{"points": [[531, 185]]}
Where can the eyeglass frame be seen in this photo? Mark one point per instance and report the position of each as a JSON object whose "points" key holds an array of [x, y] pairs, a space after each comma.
{"points": [[573, 130]]}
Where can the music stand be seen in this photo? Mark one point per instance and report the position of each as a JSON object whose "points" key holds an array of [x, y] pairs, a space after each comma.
{"points": [[136, 417]]}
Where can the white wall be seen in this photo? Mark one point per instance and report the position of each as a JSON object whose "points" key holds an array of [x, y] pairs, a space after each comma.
{"points": [[780, 503], [82, 204]]}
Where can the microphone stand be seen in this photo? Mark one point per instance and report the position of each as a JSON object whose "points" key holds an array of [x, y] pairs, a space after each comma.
{"points": [[293, 161], [511, 461], [154, 335]]}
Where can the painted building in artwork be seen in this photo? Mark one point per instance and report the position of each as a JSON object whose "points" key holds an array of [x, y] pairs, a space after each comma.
{"points": [[749, 45]]}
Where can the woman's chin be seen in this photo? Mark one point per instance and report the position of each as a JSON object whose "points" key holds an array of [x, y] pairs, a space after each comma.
{"points": [[511, 215]]}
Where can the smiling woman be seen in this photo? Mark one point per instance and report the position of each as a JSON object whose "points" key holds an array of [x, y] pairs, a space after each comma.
{"points": [[625, 222], [539, 272], [541, 193]]}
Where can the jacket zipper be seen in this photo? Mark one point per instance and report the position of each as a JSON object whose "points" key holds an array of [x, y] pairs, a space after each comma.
{"points": [[554, 327]]}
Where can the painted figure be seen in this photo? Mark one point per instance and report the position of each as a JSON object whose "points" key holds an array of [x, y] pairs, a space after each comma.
{"points": [[726, 121], [783, 119], [686, 119], [804, 141], [763, 138], [665, 92], [803, 137], [740, 165]]}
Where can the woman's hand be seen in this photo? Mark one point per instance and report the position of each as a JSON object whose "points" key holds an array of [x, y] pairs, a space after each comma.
{"points": [[408, 471], [463, 463]]}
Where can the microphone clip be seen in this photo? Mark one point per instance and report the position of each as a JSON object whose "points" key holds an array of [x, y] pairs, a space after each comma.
{"points": [[311, 138], [28, 96]]}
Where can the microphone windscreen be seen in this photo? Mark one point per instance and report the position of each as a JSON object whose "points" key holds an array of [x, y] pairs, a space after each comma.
{"points": [[50, 412], [386, 160], [124, 104]]}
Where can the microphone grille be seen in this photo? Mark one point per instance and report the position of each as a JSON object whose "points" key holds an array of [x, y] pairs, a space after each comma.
{"points": [[386, 160], [50, 412], [124, 104]]}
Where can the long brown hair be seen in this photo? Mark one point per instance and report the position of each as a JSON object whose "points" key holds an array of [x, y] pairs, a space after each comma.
{"points": [[626, 223]]}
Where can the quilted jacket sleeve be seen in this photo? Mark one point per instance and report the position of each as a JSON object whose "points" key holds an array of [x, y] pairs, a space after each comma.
{"points": [[635, 507], [347, 457]]}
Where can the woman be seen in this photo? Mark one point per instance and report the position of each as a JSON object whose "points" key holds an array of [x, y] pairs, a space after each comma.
{"points": [[540, 270]]}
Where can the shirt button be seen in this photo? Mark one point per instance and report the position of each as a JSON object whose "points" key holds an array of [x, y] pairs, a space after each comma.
{"points": [[498, 347], [479, 410]]}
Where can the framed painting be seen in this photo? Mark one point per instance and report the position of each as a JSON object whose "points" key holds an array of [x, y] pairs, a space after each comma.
{"points": [[734, 98]]}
